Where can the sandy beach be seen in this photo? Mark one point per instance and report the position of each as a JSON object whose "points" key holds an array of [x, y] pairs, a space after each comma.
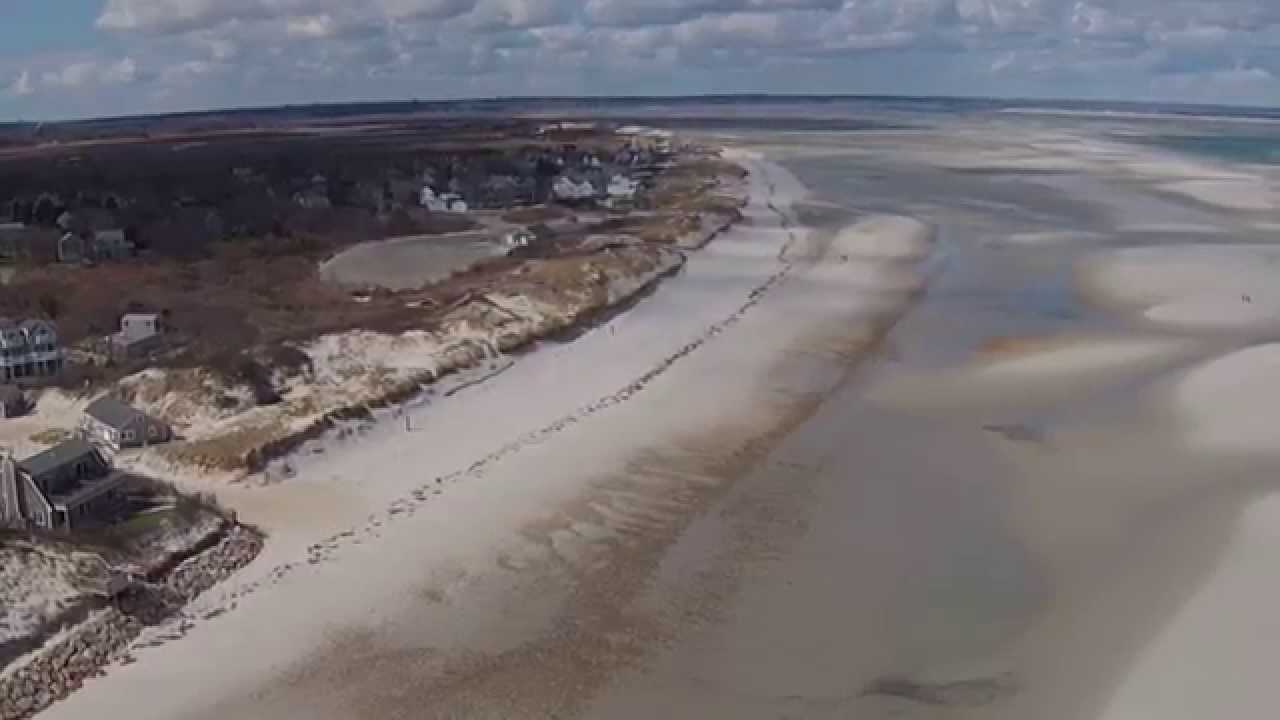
{"points": [[548, 484], [974, 421]]}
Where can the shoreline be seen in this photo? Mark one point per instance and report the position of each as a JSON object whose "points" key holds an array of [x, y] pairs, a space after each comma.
{"points": [[757, 244]]}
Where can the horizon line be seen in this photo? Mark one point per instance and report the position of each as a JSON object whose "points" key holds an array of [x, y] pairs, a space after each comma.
{"points": [[499, 99]]}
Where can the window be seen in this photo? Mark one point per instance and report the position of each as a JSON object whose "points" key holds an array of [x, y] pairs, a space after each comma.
{"points": [[129, 436]]}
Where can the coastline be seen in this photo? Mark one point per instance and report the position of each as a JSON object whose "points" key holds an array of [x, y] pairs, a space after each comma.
{"points": [[325, 522], [1017, 462]]}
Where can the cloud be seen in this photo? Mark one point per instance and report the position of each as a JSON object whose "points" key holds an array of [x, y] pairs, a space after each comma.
{"points": [[269, 51], [89, 74], [184, 74], [21, 86], [634, 13], [160, 17]]}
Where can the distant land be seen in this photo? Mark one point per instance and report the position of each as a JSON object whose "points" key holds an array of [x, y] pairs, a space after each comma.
{"points": [[610, 106]]}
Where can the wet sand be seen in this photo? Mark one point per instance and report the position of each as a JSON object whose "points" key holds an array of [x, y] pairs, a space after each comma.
{"points": [[1070, 526]]}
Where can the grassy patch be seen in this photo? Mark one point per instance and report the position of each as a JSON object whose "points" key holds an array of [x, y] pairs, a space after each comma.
{"points": [[51, 436]]}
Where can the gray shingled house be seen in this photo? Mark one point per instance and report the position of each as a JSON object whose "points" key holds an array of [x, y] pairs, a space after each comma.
{"points": [[111, 422], [13, 402], [62, 488], [140, 333]]}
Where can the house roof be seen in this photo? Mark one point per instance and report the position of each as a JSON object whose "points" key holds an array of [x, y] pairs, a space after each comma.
{"points": [[88, 489], [113, 412], [56, 457], [20, 333], [35, 325]]}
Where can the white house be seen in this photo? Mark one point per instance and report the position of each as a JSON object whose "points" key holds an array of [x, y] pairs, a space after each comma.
{"points": [[139, 333], [443, 202], [312, 199], [526, 237], [622, 187], [28, 349], [566, 188], [520, 239]]}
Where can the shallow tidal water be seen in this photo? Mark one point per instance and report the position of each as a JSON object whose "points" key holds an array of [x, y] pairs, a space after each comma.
{"points": [[971, 544]]}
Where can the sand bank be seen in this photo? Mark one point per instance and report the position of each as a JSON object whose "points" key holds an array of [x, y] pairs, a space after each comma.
{"points": [[1201, 287], [1232, 403], [1031, 372]]}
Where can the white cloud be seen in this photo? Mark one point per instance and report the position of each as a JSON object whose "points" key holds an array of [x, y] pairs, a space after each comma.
{"points": [[21, 86], [635, 13], [90, 73], [312, 26], [519, 13], [295, 50], [181, 16], [184, 74]]}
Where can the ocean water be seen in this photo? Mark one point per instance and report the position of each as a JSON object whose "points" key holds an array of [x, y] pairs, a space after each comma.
{"points": [[1247, 147], [1222, 133]]}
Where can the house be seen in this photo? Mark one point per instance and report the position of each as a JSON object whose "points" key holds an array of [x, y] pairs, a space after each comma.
{"points": [[111, 422], [111, 245], [316, 195], [20, 242], [87, 220], [11, 240], [568, 189], [443, 202], [28, 350], [63, 488], [140, 333], [621, 190], [313, 199], [71, 248], [530, 236], [13, 402]]}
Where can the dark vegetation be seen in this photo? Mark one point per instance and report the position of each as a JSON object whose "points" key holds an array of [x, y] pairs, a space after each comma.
{"points": [[230, 219]]}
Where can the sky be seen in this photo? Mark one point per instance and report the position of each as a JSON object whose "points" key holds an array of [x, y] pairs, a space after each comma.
{"points": [[81, 58]]}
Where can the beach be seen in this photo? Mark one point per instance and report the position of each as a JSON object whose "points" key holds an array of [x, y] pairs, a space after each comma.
{"points": [[973, 420], [523, 497]]}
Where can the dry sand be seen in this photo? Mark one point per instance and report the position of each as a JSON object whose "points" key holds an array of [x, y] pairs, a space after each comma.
{"points": [[1230, 403], [1206, 287]]}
